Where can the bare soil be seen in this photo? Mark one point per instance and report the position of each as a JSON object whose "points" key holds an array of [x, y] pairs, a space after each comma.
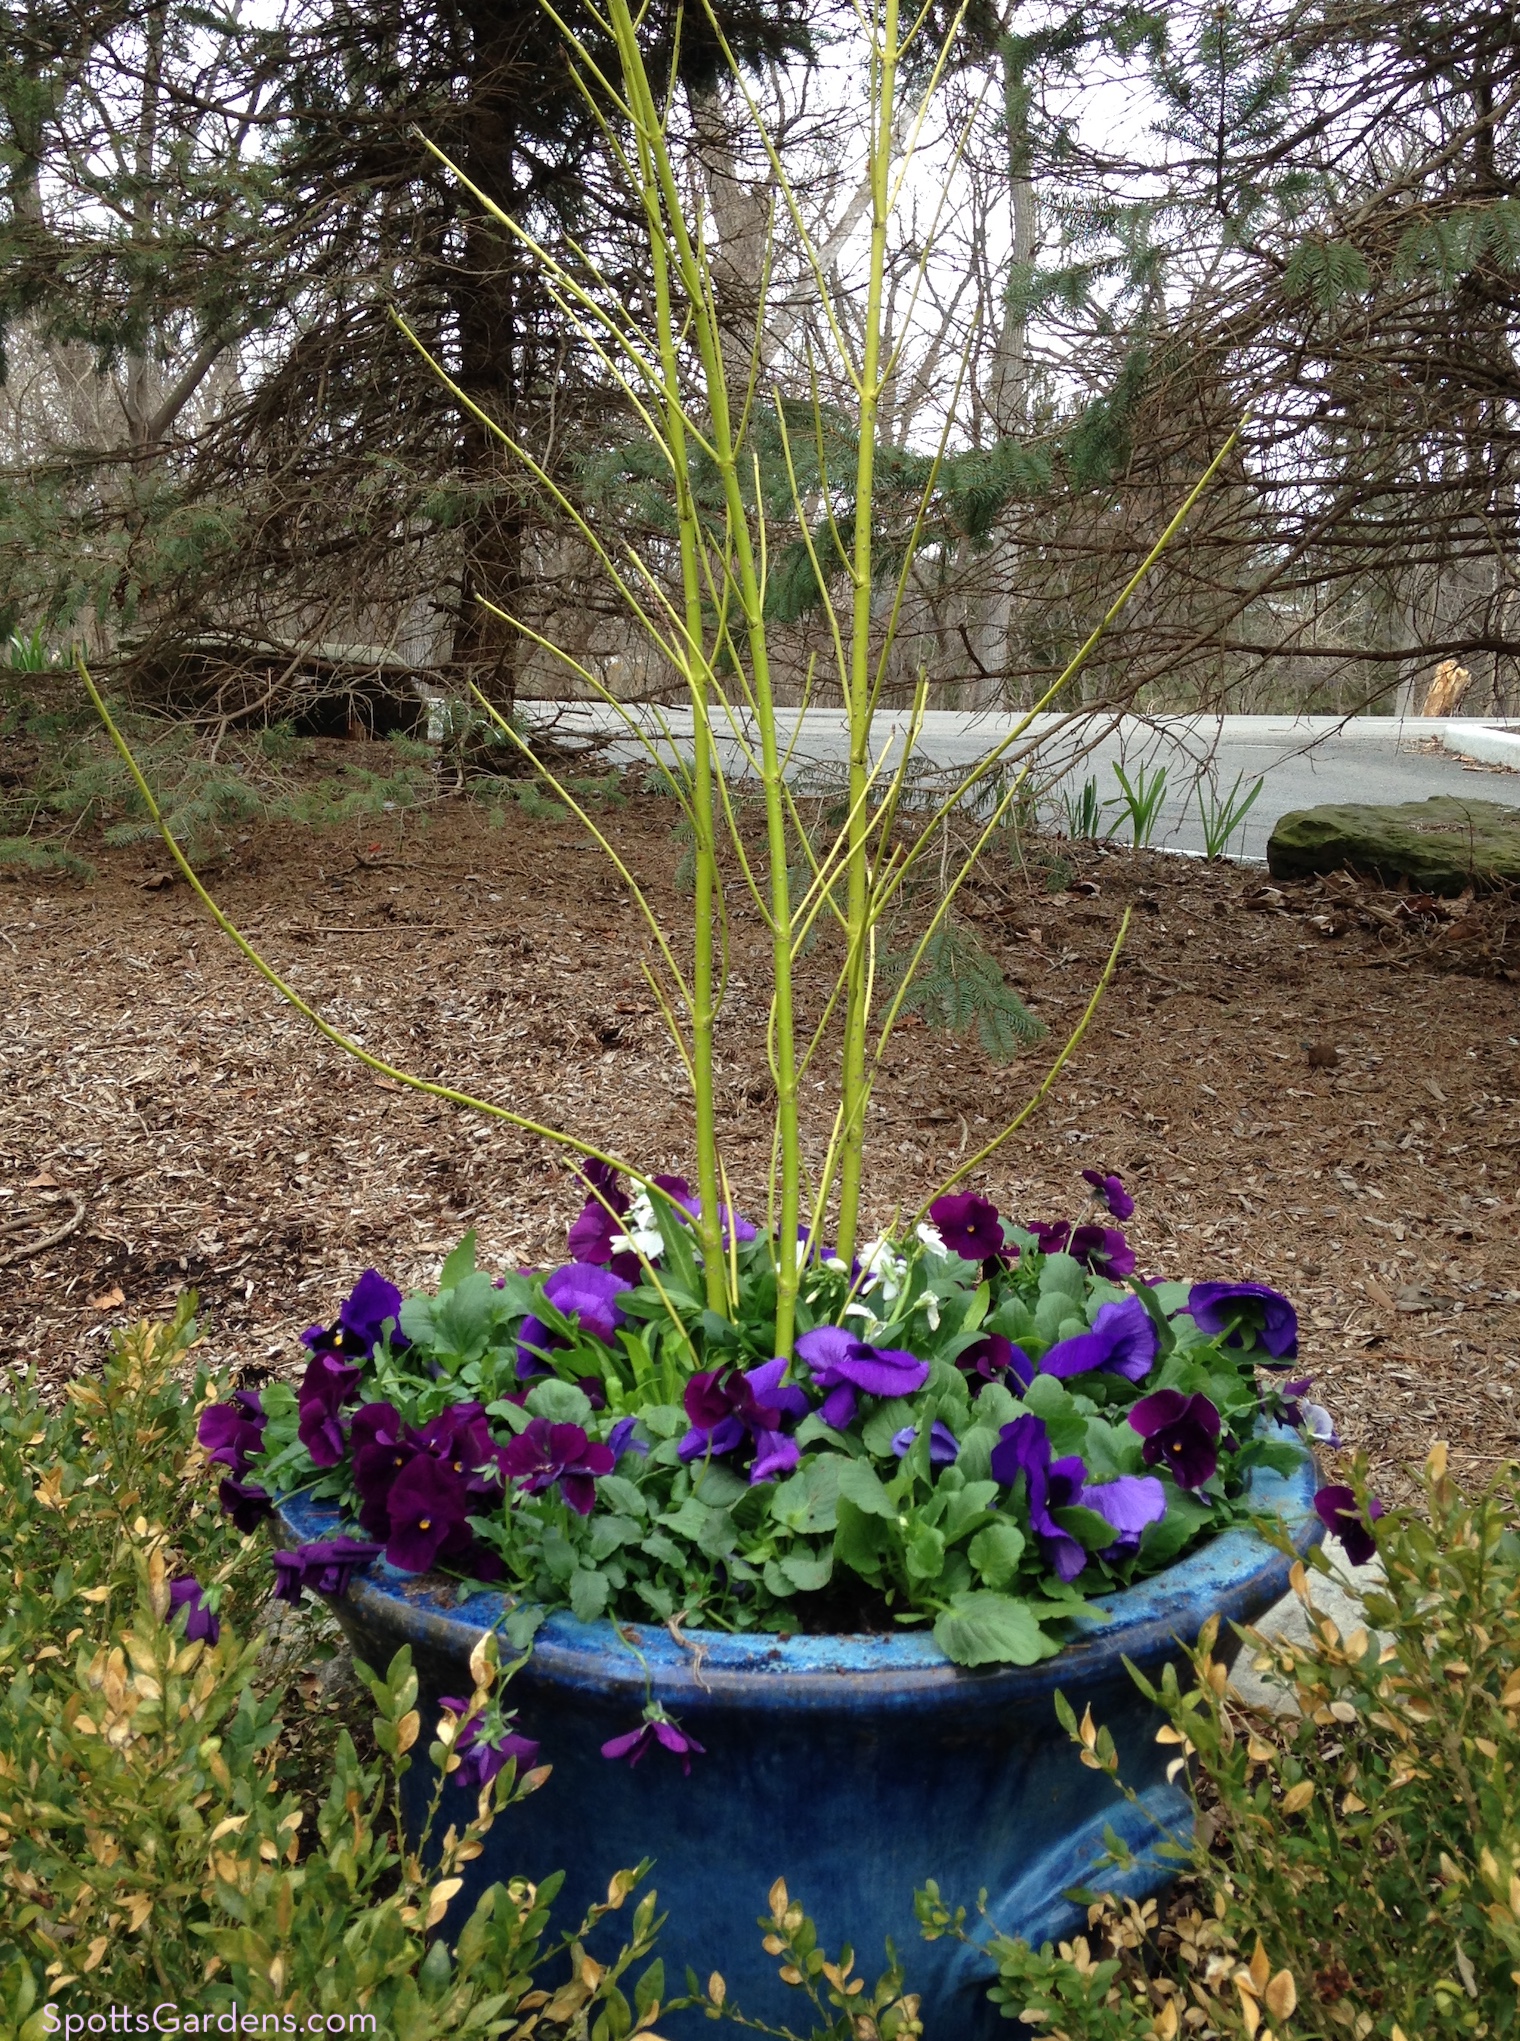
{"points": [[1315, 1087]]}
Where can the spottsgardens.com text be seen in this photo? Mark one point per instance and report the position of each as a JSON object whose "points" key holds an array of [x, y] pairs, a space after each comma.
{"points": [[169, 2018]]}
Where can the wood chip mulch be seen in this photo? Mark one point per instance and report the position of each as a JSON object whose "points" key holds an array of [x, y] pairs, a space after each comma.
{"points": [[1315, 1087]]}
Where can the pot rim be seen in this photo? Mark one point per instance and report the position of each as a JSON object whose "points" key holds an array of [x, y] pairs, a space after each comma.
{"points": [[1236, 1576]]}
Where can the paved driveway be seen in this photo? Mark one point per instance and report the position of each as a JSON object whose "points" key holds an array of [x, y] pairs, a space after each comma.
{"points": [[1303, 762]]}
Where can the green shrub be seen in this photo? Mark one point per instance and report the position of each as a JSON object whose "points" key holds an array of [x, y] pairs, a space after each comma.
{"points": [[1357, 1873], [156, 1842]]}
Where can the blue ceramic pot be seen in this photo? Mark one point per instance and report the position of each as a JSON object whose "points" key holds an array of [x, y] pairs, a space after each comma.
{"points": [[855, 1767]]}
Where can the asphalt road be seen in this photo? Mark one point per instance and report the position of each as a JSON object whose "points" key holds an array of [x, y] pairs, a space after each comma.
{"points": [[1302, 763]]}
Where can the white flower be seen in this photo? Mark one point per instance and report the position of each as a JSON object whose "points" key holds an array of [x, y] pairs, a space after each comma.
{"points": [[928, 1303], [640, 1233], [885, 1268], [930, 1236]]}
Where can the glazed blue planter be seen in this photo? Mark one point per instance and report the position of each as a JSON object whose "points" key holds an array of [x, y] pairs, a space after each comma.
{"points": [[855, 1767]]}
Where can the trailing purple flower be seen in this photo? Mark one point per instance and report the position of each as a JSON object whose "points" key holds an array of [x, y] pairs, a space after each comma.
{"points": [[202, 1624], [1123, 1341], [656, 1728], [1103, 1249], [486, 1743], [546, 1455], [841, 1364], [330, 1382], [326, 1564], [968, 1225], [232, 1433], [1340, 1513], [1110, 1191], [1181, 1433], [1246, 1316], [1023, 1448]]}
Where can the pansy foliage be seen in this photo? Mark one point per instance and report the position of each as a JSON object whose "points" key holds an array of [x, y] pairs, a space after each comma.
{"points": [[979, 1431]]}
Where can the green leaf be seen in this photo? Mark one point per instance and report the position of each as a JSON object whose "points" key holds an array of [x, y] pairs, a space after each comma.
{"points": [[1092, 1532], [560, 1402], [616, 1492], [996, 1552], [1185, 1518], [861, 1485], [861, 1542], [807, 1500], [982, 1628], [966, 1506], [807, 1571], [588, 1595], [925, 1552], [1063, 1277], [460, 1263], [521, 1623], [884, 1423]]}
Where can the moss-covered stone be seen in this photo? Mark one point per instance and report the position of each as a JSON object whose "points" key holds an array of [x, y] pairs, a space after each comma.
{"points": [[1442, 845]]}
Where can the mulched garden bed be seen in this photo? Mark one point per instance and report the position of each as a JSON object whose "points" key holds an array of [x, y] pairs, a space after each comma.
{"points": [[1313, 1086]]}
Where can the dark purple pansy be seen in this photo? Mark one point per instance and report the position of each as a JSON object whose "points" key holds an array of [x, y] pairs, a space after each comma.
{"points": [[546, 1454], [1123, 1341], [329, 1382], [1246, 1315], [1111, 1192], [1023, 1447], [202, 1624], [727, 1407], [485, 1744], [326, 1564], [1104, 1250], [426, 1509], [246, 1503], [601, 1222], [231, 1433], [1180, 1433], [361, 1320], [733, 1225], [1050, 1235], [380, 1451], [968, 1225], [652, 1730], [1340, 1513], [994, 1359], [943, 1449], [587, 1296], [841, 1364]]}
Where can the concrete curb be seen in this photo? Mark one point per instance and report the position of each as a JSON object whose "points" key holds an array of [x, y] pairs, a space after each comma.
{"points": [[1487, 743]]}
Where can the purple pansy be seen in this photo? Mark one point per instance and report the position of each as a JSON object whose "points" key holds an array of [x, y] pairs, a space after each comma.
{"points": [[546, 1454], [655, 1728], [582, 1293], [968, 1225], [600, 1223], [1180, 1433], [994, 1359], [1246, 1314], [1123, 1341], [326, 1564], [1104, 1250], [485, 1744], [201, 1623], [246, 1503], [1111, 1192], [1312, 1418], [329, 1382], [1128, 1503], [1023, 1447], [361, 1320], [943, 1448], [426, 1510], [231, 1433], [841, 1364], [727, 1407], [1338, 1511], [733, 1225], [377, 1440], [621, 1440]]}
